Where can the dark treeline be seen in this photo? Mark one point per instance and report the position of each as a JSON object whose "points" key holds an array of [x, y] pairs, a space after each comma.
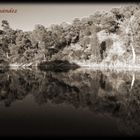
{"points": [[17, 46]]}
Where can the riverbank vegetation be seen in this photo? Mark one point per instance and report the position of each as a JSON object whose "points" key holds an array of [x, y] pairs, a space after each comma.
{"points": [[110, 38]]}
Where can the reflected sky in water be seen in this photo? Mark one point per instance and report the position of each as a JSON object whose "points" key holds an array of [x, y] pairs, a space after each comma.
{"points": [[75, 103]]}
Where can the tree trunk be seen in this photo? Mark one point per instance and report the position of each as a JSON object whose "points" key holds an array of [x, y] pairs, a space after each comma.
{"points": [[132, 41], [134, 54]]}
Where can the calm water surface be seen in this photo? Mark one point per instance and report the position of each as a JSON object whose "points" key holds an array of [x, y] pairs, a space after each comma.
{"points": [[74, 103]]}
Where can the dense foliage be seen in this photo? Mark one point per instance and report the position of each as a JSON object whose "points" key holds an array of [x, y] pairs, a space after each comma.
{"points": [[97, 38]]}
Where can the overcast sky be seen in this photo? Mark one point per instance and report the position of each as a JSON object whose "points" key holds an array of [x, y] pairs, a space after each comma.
{"points": [[46, 14]]}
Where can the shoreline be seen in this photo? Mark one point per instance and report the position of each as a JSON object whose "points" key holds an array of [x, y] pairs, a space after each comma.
{"points": [[82, 66]]}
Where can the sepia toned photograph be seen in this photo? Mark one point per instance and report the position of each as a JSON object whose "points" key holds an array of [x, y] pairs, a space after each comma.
{"points": [[69, 70]]}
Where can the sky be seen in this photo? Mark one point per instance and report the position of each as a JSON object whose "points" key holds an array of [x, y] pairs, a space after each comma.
{"points": [[28, 15]]}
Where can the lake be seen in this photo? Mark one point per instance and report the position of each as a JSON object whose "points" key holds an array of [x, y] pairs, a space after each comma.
{"points": [[80, 102]]}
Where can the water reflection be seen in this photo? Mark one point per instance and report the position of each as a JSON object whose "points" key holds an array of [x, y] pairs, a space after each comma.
{"points": [[107, 94]]}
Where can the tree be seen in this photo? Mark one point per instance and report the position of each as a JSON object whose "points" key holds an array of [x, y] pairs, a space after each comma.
{"points": [[132, 27], [132, 41], [39, 33], [96, 18], [95, 47], [135, 33], [5, 24]]}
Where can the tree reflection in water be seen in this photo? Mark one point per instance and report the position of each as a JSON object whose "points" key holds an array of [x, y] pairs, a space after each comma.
{"points": [[106, 93]]}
